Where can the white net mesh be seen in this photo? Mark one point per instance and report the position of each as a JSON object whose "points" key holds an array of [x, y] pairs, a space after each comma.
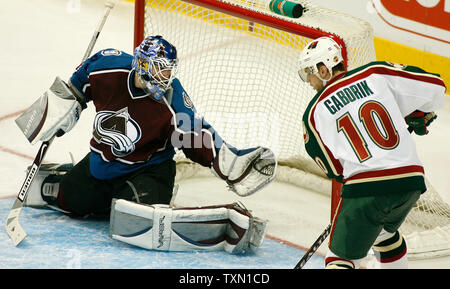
{"points": [[242, 77]]}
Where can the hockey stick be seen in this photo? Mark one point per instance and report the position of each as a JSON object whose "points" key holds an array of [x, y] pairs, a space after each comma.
{"points": [[313, 248], [13, 227]]}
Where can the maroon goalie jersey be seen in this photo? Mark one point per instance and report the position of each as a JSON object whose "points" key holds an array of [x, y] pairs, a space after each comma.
{"points": [[132, 130]]}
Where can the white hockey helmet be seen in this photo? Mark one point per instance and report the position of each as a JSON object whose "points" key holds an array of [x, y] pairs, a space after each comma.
{"points": [[321, 50]]}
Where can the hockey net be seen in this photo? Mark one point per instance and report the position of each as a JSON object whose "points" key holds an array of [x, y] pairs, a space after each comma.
{"points": [[238, 62]]}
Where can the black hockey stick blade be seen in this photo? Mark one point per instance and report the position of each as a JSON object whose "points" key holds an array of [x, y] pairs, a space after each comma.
{"points": [[313, 248], [13, 227]]}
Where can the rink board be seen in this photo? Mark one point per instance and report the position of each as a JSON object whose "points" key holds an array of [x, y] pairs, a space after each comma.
{"points": [[56, 241]]}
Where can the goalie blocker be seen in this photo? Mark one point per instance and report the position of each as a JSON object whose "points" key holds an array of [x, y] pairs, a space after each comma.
{"points": [[54, 113], [159, 227]]}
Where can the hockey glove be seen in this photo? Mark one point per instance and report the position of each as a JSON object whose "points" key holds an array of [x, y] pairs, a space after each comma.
{"points": [[245, 171], [418, 121]]}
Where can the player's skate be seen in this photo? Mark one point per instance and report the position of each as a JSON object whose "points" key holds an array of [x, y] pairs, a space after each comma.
{"points": [[43, 192]]}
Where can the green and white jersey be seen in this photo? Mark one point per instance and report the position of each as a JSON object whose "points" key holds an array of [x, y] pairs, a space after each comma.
{"points": [[356, 132]]}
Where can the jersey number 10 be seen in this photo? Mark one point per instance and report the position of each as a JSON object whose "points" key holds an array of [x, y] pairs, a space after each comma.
{"points": [[382, 133]]}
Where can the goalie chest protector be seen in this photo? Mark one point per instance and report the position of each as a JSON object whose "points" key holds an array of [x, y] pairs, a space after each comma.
{"points": [[130, 126]]}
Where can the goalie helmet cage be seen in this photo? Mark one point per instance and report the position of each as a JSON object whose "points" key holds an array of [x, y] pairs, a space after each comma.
{"points": [[238, 62]]}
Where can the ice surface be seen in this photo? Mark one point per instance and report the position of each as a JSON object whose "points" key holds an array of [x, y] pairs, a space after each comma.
{"points": [[45, 38], [56, 241]]}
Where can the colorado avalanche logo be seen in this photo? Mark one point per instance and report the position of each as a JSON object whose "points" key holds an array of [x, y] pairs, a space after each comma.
{"points": [[118, 130], [111, 52], [187, 101]]}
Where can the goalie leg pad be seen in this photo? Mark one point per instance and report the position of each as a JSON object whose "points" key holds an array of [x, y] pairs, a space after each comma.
{"points": [[160, 227]]}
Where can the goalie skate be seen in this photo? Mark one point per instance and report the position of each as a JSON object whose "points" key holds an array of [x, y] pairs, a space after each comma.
{"points": [[44, 189]]}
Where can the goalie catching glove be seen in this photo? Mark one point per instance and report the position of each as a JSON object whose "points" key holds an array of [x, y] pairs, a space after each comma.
{"points": [[54, 113], [418, 121], [245, 171]]}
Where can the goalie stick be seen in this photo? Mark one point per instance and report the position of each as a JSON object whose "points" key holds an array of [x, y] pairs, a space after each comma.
{"points": [[13, 227], [313, 248]]}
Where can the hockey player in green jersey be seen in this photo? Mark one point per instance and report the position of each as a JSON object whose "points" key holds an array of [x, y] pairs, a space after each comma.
{"points": [[357, 129]]}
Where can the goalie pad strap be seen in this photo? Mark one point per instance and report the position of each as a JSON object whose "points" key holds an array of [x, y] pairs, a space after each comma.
{"points": [[159, 227]]}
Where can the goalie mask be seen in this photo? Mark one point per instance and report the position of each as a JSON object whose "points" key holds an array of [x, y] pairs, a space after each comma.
{"points": [[155, 61], [321, 50]]}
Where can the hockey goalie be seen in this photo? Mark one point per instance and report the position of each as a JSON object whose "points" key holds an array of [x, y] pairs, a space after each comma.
{"points": [[142, 115]]}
